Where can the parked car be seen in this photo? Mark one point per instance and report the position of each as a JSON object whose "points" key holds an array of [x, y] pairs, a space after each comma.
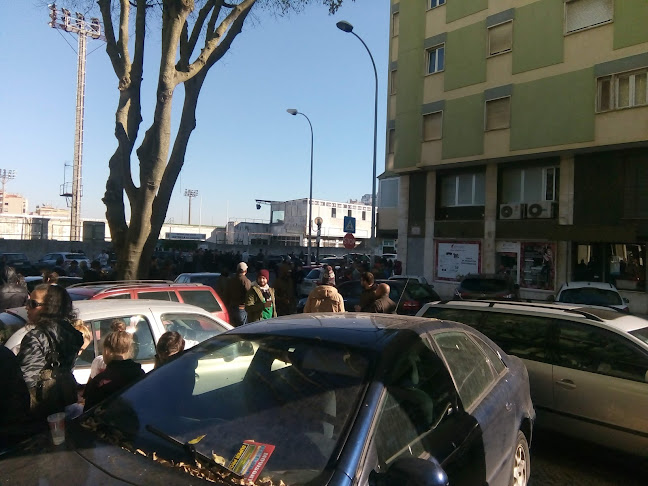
{"points": [[48, 261], [335, 262], [19, 262], [487, 286], [63, 281], [206, 278], [310, 281], [408, 295], [588, 366], [328, 401], [414, 278], [189, 293], [147, 320], [592, 293]]}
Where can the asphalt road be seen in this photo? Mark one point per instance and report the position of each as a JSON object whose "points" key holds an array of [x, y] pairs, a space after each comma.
{"points": [[561, 461]]}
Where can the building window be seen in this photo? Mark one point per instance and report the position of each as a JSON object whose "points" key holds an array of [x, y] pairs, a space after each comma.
{"points": [[500, 38], [432, 126], [498, 114], [395, 24], [393, 79], [435, 59], [387, 193], [364, 215], [530, 185], [437, 3], [623, 90], [463, 190], [391, 141], [333, 211], [583, 14]]}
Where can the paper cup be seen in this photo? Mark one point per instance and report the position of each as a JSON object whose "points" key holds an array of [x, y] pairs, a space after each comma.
{"points": [[56, 423]]}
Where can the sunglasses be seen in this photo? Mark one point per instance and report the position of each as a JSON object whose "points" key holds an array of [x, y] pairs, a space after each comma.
{"points": [[33, 304]]}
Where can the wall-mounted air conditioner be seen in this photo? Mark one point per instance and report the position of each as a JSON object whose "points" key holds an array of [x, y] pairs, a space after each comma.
{"points": [[512, 211], [541, 209]]}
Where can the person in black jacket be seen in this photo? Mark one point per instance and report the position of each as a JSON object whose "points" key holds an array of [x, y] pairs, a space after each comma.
{"points": [[12, 294], [50, 311], [120, 371], [14, 399]]}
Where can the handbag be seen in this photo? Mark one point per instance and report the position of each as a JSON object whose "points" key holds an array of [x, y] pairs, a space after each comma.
{"points": [[56, 387]]}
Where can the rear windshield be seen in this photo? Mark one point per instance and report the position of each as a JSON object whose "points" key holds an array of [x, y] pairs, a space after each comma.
{"points": [[484, 285], [314, 274], [210, 280], [201, 298], [75, 256], [420, 291], [15, 257], [590, 296]]}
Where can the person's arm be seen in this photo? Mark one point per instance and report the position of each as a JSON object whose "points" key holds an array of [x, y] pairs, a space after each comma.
{"points": [[309, 305], [31, 357], [341, 303]]}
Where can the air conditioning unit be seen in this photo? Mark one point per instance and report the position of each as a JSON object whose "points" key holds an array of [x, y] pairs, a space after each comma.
{"points": [[541, 209], [512, 211]]}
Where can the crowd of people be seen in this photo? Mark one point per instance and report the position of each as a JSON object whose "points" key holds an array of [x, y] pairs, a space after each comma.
{"points": [[37, 377]]}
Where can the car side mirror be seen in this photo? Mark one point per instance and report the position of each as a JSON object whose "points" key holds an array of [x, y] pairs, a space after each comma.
{"points": [[626, 300], [551, 298], [413, 471]]}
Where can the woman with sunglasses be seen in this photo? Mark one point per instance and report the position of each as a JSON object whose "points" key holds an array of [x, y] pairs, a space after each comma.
{"points": [[53, 342]]}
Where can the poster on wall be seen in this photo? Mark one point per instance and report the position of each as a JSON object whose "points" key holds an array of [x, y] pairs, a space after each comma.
{"points": [[454, 260], [538, 265]]}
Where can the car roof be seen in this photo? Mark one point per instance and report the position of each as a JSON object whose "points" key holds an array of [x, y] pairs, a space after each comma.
{"points": [[355, 329], [201, 274], [87, 308], [583, 284], [602, 316]]}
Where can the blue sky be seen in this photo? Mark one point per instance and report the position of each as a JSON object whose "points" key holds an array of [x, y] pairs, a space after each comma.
{"points": [[245, 147]]}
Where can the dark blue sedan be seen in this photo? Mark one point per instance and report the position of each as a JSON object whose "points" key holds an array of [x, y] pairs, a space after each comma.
{"points": [[316, 399]]}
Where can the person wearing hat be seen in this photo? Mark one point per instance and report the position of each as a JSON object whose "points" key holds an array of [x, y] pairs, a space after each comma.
{"points": [[325, 297], [260, 299], [235, 294]]}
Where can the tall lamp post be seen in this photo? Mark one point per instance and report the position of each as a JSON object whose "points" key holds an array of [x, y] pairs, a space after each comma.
{"points": [[293, 112], [190, 193], [345, 26]]}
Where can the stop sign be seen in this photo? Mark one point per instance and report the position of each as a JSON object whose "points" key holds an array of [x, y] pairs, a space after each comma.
{"points": [[349, 241]]}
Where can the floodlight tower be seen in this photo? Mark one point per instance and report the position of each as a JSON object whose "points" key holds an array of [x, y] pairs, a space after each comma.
{"points": [[5, 175], [83, 29], [190, 193]]}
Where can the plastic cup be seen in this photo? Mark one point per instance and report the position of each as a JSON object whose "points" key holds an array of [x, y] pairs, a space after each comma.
{"points": [[56, 423]]}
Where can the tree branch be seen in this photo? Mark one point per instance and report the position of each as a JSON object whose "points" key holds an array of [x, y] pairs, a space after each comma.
{"points": [[111, 43], [232, 24]]}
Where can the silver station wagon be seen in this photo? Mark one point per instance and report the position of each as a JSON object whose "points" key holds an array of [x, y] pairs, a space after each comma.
{"points": [[588, 366]]}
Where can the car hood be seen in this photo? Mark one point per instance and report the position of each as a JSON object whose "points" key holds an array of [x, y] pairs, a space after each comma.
{"points": [[84, 460]]}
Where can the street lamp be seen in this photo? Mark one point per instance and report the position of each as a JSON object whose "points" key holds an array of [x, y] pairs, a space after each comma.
{"points": [[345, 26], [190, 193], [293, 112]]}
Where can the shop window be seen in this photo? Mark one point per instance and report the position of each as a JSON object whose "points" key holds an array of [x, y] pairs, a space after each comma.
{"points": [[530, 185], [538, 265], [463, 190], [621, 264]]}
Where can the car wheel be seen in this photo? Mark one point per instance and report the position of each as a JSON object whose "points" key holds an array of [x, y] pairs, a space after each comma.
{"points": [[521, 462]]}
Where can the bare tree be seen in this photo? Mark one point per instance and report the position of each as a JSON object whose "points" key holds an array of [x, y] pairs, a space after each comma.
{"points": [[213, 27]]}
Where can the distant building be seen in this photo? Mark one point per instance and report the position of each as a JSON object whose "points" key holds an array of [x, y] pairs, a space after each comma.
{"points": [[13, 203], [47, 211]]}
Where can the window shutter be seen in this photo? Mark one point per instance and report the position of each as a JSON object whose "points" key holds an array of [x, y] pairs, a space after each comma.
{"points": [[498, 113], [432, 126], [500, 38], [581, 14]]}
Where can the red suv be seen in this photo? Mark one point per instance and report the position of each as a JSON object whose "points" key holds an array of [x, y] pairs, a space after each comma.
{"points": [[190, 293]]}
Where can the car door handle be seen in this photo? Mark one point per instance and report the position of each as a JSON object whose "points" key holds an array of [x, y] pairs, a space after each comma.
{"points": [[567, 384], [509, 406]]}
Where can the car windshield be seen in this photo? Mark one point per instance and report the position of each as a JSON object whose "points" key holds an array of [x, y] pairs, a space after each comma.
{"points": [[294, 397], [590, 296], [484, 285], [641, 334]]}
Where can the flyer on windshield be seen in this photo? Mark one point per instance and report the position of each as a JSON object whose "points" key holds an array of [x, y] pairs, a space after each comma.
{"points": [[250, 459]]}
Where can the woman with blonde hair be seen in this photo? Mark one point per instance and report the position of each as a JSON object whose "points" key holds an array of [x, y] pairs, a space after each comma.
{"points": [[121, 371]]}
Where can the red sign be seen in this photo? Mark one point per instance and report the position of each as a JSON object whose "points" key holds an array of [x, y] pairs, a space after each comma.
{"points": [[349, 241]]}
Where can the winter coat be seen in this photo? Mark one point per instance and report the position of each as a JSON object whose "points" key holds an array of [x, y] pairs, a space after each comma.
{"points": [[14, 403], [324, 298], [12, 295], [255, 303], [367, 298], [236, 290], [118, 375], [383, 305], [35, 347]]}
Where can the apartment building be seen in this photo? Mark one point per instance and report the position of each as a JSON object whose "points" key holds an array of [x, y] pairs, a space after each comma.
{"points": [[517, 142]]}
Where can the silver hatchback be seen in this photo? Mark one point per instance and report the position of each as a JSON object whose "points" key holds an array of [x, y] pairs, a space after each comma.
{"points": [[588, 366]]}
